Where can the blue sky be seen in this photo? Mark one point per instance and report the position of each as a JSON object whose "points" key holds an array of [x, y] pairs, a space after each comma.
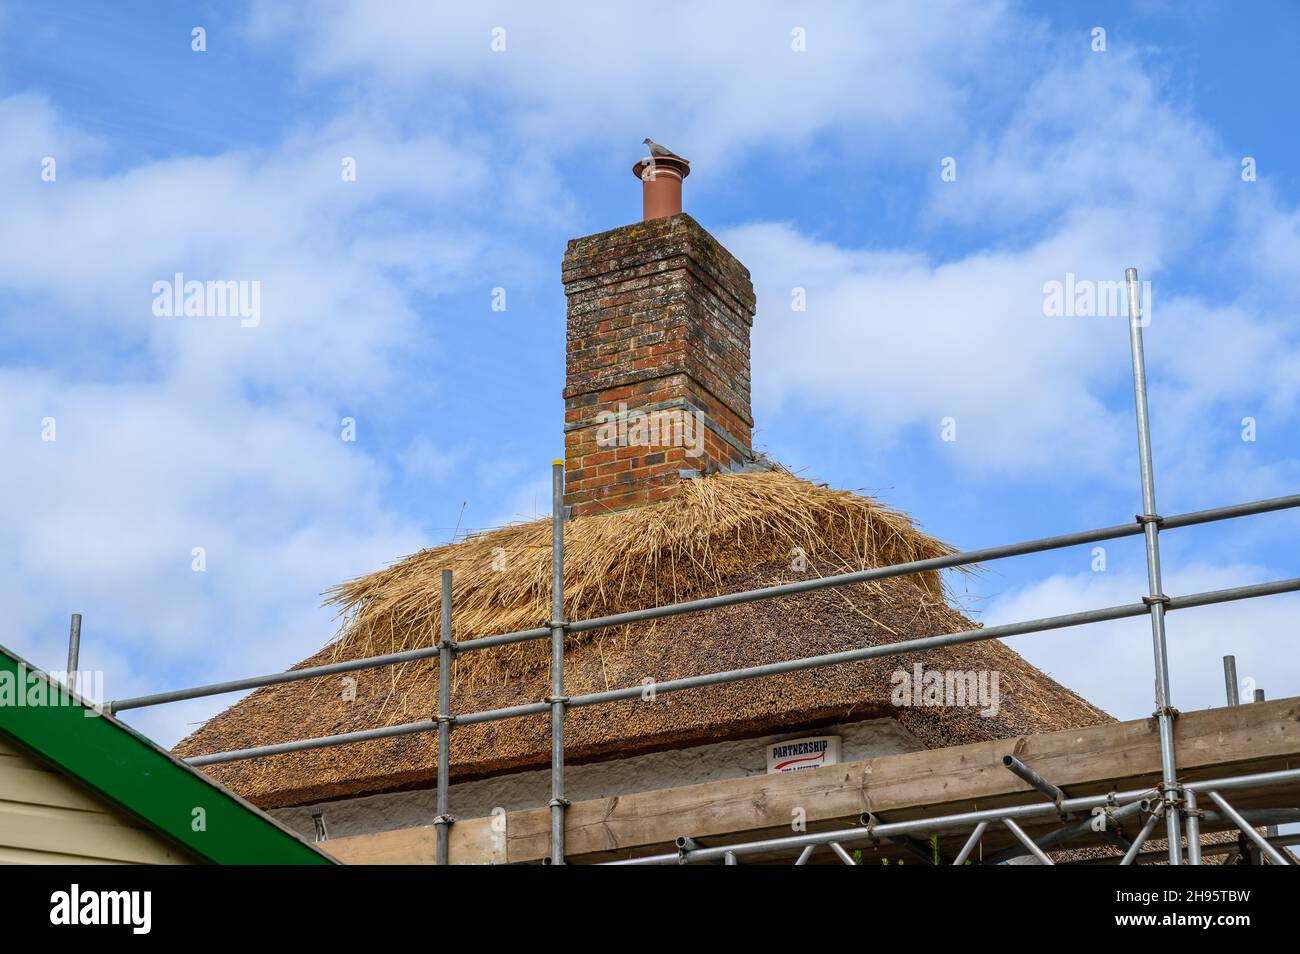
{"points": [[820, 169]]}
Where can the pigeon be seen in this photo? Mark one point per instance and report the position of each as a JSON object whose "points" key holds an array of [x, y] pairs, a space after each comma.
{"points": [[658, 150]]}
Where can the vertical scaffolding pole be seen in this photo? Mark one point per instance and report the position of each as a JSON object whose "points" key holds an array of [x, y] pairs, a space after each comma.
{"points": [[1193, 828], [557, 698], [443, 820], [1230, 680], [1156, 600], [74, 651]]}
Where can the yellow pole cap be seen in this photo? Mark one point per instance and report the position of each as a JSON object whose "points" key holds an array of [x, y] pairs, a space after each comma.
{"points": [[558, 460]]}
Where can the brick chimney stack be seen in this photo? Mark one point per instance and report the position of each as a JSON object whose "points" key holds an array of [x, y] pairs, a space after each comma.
{"points": [[657, 383]]}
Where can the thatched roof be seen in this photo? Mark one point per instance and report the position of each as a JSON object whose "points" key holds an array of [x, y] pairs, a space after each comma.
{"points": [[721, 533]]}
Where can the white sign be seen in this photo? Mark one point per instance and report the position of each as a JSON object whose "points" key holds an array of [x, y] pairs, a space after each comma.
{"points": [[793, 755]]}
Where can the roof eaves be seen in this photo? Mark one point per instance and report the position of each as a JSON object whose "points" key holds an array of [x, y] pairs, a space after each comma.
{"points": [[140, 777]]}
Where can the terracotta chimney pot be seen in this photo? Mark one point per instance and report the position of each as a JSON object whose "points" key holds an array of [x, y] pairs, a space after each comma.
{"points": [[661, 185]]}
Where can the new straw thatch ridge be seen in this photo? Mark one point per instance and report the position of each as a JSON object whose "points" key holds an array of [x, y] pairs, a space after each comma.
{"points": [[720, 534], [680, 549]]}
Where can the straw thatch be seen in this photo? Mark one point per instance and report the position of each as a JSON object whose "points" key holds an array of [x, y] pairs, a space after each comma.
{"points": [[721, 533]]}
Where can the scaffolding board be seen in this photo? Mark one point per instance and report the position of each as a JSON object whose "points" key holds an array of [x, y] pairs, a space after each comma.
{"points": [[1113, 757]]}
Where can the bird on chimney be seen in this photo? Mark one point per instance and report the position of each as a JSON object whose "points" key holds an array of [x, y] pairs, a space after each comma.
{"points": [[658, 150]]}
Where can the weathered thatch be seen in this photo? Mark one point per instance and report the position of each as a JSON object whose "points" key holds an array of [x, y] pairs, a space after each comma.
{"points": [[719, 534], [683, 548]]}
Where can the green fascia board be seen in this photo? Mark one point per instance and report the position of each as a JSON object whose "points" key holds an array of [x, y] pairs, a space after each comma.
{"points": [[140, 777]]}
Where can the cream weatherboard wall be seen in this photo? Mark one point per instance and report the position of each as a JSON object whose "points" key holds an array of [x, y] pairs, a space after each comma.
{"points": [[46, 818]]}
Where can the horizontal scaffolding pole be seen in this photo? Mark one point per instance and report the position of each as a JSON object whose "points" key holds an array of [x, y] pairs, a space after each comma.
{"points": [[942, 823], [256, 682], [948, 562], [1245, 781], [951, 561], [315, 672], [757, 672], [934, 642]]}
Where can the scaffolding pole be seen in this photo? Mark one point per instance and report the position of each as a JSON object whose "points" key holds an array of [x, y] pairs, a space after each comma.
{"points": [[1247, 829], [966, 849], [1022, 771], [1143, 835], [1230, 680], [1193, 817], [1156, 598], [445, 656], [74, 652], [557, 699], [1028, 842]]}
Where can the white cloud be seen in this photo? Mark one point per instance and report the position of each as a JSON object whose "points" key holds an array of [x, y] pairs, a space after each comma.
{"points": [[897, 343], [1094, 132], [138, 477], [717, 77], [175, 433], [1094, 172], [93, 246]]}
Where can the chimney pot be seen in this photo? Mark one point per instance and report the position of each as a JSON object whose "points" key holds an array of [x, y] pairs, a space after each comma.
{"points": [[661, 185]]}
